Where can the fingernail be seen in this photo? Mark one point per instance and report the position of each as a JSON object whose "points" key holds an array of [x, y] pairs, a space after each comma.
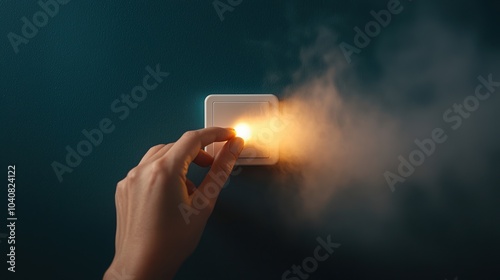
{"points": [[236, 146]]}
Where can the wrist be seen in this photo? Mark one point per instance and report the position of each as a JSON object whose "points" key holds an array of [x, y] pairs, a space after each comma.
{"points": [[138, 270]]}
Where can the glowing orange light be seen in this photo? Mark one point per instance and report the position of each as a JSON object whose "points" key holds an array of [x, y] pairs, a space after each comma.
{"points": [[243, 130]]}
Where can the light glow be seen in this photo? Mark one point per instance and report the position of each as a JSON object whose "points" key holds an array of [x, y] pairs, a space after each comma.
{"points": [[243, 130]]}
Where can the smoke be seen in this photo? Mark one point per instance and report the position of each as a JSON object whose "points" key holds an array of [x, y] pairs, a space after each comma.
{"points": [[333, 142], [344, 131]]}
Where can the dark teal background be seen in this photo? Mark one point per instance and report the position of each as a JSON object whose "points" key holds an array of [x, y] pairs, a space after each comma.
{"points": [[91, 52]]}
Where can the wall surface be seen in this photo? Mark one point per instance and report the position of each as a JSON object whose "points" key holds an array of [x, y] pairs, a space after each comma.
{"points": [[72, 73]]}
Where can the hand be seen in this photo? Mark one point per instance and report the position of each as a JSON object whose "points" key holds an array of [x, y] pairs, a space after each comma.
{"points": [[160, 213]]}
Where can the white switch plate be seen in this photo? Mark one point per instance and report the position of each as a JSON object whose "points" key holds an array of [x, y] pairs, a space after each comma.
{"points": [[227, 110]]}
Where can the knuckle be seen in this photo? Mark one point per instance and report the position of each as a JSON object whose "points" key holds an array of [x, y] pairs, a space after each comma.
{"points": [[120, 185], [173, 158], [157, 168], [227, 164], [156, 147], [234, 158], [158, 172], [169, 145], [190, 134], [225, 169], [120, 188], [133, 173]]}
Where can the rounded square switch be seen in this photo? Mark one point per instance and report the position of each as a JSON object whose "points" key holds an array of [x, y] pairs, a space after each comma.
{"points": [[249, 114]]}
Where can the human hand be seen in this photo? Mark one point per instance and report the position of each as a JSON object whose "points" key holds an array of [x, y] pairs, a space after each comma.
{"points": [[153, 236]]}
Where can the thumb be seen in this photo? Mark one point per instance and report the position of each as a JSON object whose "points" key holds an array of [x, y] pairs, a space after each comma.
{"points": [[220, 171]]}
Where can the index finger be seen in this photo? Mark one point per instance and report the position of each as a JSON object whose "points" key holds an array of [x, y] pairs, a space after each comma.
{"points": [[185, 150]]}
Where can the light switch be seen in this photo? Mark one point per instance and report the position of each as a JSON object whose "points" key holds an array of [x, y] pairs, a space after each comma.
{"points": [[248, 114]]}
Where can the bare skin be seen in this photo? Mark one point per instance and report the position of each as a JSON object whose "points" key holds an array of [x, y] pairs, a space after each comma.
{"points": [[153, 236]]}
